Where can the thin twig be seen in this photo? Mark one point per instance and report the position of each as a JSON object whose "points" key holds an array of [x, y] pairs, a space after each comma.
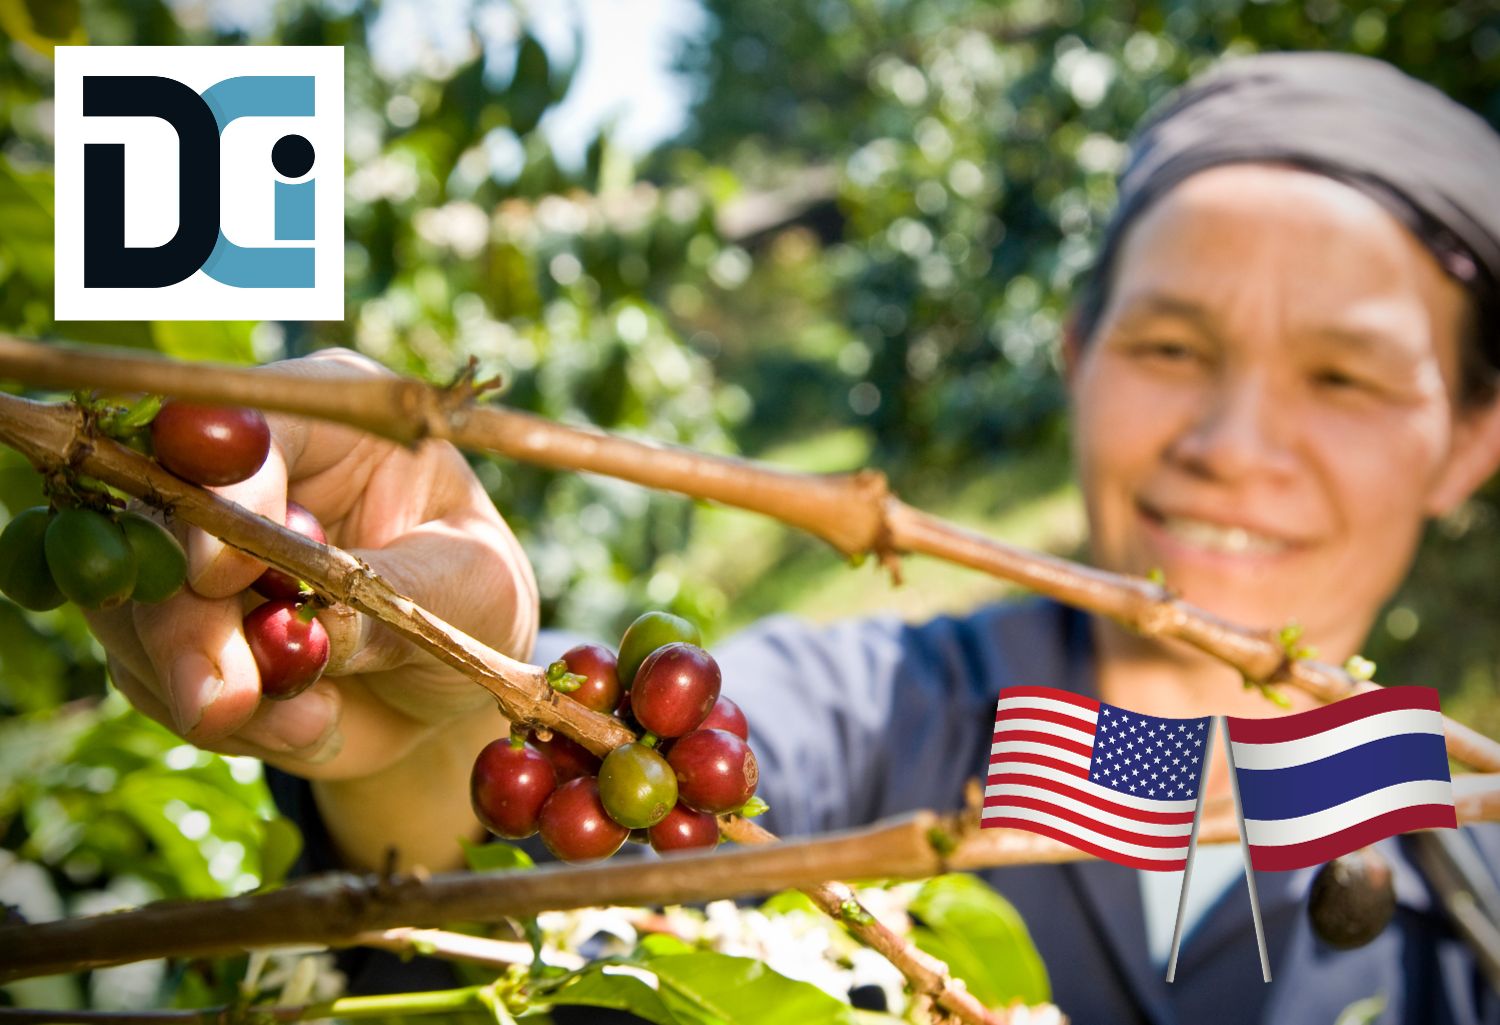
{"points": [[457, 946], [341, 909], [855, 513], [57, 438], [382, 1006]]}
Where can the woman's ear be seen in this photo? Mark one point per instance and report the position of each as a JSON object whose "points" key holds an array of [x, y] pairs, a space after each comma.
{"points": [[1473, 458]]}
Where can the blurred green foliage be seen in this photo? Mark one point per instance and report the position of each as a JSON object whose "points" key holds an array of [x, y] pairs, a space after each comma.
{"points": [[860, 251]]}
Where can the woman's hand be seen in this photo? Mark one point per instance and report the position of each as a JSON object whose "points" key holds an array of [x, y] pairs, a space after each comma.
{"points": [[383, 710]]}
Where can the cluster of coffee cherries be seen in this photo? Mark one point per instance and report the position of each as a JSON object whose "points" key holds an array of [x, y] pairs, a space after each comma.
{"points": [[691, 764], [99, 557]]}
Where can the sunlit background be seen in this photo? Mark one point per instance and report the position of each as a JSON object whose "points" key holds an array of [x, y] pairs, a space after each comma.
{"points": [[826, 233]]}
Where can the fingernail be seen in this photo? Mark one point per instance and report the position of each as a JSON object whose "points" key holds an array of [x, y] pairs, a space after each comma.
{"points": [[195, 684], [328, 750]]}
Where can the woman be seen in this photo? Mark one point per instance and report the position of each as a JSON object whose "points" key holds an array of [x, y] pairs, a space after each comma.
{"points": [[1284, 365]]}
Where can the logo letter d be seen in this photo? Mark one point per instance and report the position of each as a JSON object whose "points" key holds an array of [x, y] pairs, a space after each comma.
{"points": [[107, 261]]}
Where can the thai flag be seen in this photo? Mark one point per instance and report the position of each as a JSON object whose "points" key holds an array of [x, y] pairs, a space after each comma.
{"points": [[1117, 784], [1319, 784]]}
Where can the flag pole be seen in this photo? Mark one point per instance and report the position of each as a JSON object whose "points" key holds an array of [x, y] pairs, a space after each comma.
{"points": [[1239, 814], [1187, 871]]}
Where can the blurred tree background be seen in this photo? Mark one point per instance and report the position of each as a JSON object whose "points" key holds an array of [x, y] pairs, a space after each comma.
{"points": [[859, 251]]}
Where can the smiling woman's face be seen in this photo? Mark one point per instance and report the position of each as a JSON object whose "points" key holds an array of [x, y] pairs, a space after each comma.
{"points": [[1266, 408]]}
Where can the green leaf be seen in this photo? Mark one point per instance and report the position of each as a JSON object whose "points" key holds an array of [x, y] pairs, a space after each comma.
{"points": [[42, 24], [1362, 1012], [141, 413], [26, 212], [660, 944], [706, 987], [592, 987], [530, 90], [851, 911], [223, 341], [754, 807], [789, 900], [281, 842], [982, 938], [495, 856]]}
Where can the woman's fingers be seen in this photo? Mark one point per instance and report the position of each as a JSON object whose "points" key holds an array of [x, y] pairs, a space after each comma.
{"points": [[299, 448], [203, 667], [215, 570], [304, 729]]}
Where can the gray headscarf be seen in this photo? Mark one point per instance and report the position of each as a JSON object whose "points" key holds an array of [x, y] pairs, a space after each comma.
{"points": [[1432, 162]]}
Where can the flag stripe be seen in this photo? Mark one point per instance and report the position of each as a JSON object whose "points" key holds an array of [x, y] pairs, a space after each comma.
{"points": [[1052, 737], [1089, 842], [1052, 752], [1145, 809], [1327, 782], [1030, 713], [1090, 822], [997, 795], [1316, 852], [1285, 832], [1054, 761], [1304, 724], [1020, 760], [1050, 694], [1350, 735]]}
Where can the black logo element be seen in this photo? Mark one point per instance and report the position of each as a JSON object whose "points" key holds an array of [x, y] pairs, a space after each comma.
{"points": [[107, 263]]}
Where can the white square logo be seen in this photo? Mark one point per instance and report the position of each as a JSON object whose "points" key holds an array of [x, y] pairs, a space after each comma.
{"points": [[200, 183]]}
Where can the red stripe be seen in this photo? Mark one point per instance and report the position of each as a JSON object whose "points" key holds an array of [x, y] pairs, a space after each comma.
{"points": [[1315, 852], [1051, 740], [1045, 715], [1053, 694], [1161, 818], [1079, 819], [1043, 760], [1318, 720], [1088, 848]]}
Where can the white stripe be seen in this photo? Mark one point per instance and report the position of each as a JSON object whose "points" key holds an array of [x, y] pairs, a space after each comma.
{"points": [[1286, 753], [1098, 839], [1047, 705], [1092, 788], [1029, 747], [1042, 726], [1280, 832], [1097, 814]]}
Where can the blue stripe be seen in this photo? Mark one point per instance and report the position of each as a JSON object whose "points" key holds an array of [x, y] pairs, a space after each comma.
{"points": [[1328, 782]]}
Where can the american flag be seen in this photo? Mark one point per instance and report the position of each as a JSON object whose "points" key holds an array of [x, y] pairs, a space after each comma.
{"points": [[1117, 784]]}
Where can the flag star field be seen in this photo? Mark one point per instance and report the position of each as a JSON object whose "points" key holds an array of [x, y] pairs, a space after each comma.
{"points": [[1115, 783]]}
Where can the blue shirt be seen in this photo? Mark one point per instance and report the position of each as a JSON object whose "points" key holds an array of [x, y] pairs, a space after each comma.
{"points": [[873, 717]]}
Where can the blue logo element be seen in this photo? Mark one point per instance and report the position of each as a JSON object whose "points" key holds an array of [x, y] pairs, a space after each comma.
{"points": [[199, 243]]}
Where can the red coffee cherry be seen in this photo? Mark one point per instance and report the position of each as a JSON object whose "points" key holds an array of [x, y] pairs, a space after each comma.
{"points": [[289, 652], [716, 771], [726, 715], [508, 787], [570, 758], [600, 689], [210, 445], [685, 830], [575, 826], [275, 584], [674, 690]]}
